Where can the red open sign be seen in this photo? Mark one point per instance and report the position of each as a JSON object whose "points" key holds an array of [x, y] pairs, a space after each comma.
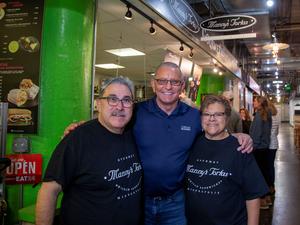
{"points": [[24, 169]]}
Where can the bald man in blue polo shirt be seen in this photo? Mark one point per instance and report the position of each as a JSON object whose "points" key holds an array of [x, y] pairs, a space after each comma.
{"points": [[164, 130]]}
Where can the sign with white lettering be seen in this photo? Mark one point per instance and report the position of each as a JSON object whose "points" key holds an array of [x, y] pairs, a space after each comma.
{"points": [[24, 169], [228, 23]]}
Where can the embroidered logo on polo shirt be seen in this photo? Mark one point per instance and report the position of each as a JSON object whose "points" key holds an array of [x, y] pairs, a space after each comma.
{"points": [[186, 128]]}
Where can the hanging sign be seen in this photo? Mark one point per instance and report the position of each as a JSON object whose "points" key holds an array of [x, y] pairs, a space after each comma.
{"points": [[24, 169], [228, 23]]}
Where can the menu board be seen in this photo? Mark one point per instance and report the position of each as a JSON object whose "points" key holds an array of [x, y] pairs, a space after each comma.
{"points": [[20, 46]]}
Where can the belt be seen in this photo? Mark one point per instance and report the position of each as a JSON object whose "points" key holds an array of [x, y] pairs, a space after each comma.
{"points": [[163, 197]]}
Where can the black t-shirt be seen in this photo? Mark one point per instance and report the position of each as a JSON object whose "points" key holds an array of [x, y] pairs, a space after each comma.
{"points": [[219, 180], [101, 177]]}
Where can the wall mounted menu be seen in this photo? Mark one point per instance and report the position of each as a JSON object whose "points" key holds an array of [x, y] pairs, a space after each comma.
{"points": [[20, 46]]}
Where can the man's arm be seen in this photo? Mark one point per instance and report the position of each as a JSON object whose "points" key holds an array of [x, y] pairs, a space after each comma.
{"points": [[46, 202], [245, 141], [253, 211]]}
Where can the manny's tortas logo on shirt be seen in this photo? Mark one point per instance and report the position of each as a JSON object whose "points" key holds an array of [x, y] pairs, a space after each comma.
{"points": [[206, 176], [118, 175]]}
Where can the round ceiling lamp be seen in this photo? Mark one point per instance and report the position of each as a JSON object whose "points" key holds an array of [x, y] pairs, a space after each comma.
{"points": [[275, 47]]}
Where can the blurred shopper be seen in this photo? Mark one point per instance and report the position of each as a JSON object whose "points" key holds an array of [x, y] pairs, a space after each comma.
{"points": [[246, 120], [223, 186], [273, 145], [96, 167], [260, 132], [234, 124]]}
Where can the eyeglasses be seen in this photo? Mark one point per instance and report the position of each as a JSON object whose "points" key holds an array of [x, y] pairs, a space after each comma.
{"points": [[165, 82], [127, 102], [216, 115]]}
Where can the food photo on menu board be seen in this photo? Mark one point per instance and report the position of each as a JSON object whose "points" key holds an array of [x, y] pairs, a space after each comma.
{"points": [[21, 100]]}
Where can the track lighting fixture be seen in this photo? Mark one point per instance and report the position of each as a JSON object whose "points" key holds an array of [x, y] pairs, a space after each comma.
{"points": [[181, 49], [128, 14], [191, 54], [152, 29]]}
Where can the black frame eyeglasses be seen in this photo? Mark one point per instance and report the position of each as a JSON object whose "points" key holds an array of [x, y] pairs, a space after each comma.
{"points": [[216, 115], [172, 82], [127, 102]]}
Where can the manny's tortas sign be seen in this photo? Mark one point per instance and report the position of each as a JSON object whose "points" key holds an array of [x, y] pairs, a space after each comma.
{"points": [[228, 23]]}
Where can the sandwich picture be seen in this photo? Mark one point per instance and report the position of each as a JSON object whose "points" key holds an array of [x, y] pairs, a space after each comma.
{"points": [[19, 117]]}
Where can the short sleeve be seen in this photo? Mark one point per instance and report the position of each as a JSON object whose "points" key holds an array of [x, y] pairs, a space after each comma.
{"points": [[254, 184], [63, 163]]}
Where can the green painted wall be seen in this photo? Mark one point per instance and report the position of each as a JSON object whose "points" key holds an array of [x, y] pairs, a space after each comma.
{"points": [[65, 81], [210, 84]]}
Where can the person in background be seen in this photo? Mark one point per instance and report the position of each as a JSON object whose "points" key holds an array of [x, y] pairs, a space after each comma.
{"points": [[96, 167], [260, 131], [222, 186], [234, 124], [164, 130], [246, 120], [273, 145], [187, 100]]}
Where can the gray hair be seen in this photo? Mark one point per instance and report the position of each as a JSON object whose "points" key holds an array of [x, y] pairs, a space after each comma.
{"points": [[171, 65], [117, 80]]}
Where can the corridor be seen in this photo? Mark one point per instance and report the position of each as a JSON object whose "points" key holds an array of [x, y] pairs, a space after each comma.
{"points": [[285, 210]]}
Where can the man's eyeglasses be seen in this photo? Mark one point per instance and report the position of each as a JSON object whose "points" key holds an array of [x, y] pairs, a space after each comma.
{"points": [[216, 115], [165, 82], [127, 102]]}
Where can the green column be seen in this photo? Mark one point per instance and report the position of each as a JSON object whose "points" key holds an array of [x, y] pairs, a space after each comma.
{"points": [[210, 84], [65, 81]]}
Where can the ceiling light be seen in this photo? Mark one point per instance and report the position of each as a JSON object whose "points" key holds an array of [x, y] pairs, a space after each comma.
{"points": [[152, 29], [181, 47], [270, 3], [276, 77], [220, 73], [276, 73], [123, 52], [215, 70], [109, 66], [278, 62], [128, 14], [191, 54], [275, 47], [268, 85]]}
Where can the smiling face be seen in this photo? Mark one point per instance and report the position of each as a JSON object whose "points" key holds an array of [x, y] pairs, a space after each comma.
{"points": [[114, 118], [214, 121], [167, 94]]}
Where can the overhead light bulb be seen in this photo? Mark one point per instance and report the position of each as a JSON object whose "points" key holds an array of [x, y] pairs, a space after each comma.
{"points": [[276, 73], [152, 29], [128, 14], [220, 73], [215, 69], [270, 3], [181, 47]]}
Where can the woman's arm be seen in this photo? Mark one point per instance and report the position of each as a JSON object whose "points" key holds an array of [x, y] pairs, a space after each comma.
{"points": [[253, 211]]}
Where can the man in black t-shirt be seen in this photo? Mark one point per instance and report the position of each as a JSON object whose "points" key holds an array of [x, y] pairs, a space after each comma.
{"points": [[96, 167]]}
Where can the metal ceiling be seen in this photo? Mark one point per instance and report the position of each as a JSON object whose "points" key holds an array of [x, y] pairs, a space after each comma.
{"points": [[283, 19]]}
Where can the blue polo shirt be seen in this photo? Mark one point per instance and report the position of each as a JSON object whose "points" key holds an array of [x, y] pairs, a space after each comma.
{"points": [[163, 142]]}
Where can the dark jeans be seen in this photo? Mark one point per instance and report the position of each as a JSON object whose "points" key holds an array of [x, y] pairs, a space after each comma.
{"points": [[262, 159], [165, 210], [271, 162]]}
